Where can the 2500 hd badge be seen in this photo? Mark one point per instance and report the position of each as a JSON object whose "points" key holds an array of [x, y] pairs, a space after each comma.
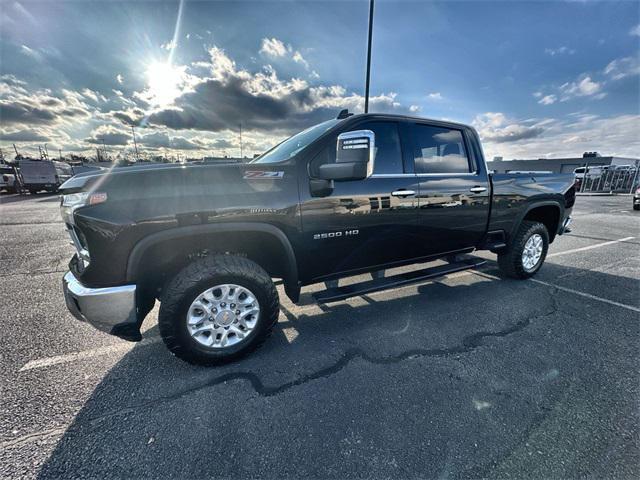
{"points": [[347, 233]]}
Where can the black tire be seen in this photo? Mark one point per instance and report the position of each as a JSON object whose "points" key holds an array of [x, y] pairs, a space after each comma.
{"points": [[33, 191], [510, 260], [636, 206], [196, 278]]}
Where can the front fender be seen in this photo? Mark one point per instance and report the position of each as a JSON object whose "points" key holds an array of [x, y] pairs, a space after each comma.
{"points": [[290, 275]]}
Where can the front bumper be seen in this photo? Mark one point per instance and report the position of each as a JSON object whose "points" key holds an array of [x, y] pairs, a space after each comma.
{"points": [[110, 309]]}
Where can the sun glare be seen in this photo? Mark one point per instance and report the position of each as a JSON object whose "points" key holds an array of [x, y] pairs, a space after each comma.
{"points": [[164, 83]]}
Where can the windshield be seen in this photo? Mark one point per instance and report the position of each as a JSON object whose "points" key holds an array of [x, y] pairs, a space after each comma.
{"points": [[292, 145]]}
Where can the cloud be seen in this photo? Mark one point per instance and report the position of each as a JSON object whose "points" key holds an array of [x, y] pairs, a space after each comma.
{"points": [[120, 78], [24, 136], [559, 51], [623, 67], [273, 47], [635, 31], [584, 87], [414, 108], [495, 127], [18, 106], [108, 135], [261, 101], [298, 58], [548, 100], [436, 96], [170, 45], [569, 137], [164, 140]]}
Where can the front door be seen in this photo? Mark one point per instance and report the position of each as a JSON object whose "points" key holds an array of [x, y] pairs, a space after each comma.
{"points": [[454, 195], [363, 223]]}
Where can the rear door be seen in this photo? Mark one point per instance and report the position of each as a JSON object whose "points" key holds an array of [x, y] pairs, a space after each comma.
{"points": [[453, 188], [363, 223]]}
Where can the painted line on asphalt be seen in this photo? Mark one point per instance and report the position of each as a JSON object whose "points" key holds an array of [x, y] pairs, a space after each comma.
{"points": [[590, 247], [85, 354], [587, 295]]}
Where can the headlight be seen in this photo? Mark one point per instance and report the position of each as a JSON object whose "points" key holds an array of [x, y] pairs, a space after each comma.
{"points": [[75, 199], [83, 198]]}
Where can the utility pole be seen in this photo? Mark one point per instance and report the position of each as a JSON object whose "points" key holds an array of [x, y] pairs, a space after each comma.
{"points": [[16, 149], [60, 154], [46, 151], [104, 149], [366, 88], [241, 140], [133, 132]]}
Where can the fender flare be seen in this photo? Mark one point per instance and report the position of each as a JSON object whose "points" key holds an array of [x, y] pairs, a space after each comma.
{"points": [[137, 254], [532, 206]]}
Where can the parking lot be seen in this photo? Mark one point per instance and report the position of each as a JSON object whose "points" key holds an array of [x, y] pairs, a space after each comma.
{"points": [[472, 375]]}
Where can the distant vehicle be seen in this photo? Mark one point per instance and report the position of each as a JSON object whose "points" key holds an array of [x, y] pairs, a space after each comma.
{"points": [[46, 175], [530, 172], [7, 179], [597, 171], [636, 199]]}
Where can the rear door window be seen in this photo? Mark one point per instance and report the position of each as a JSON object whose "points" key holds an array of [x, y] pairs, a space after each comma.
{"points": [[439, 150]]}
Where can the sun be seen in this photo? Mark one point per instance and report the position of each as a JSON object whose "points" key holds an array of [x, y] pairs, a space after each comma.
{"points": [[164, 83]]}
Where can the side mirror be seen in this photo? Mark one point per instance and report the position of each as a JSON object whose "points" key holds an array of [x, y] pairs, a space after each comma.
{"points": [[354, 157]]}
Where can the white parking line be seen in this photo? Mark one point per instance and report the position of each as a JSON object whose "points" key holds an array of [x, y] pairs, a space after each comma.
{"points": [[590, 247], [588, 295], [85, 354]]}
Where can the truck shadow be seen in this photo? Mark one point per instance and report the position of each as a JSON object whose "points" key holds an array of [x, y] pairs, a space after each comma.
{"points": [[147, 397]]}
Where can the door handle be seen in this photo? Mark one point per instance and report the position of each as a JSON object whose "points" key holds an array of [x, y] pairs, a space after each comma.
{"points": [[478, 189], [403, 193]]}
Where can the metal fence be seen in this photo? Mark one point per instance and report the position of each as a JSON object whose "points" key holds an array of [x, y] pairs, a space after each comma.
{"points": [[610, 180]]}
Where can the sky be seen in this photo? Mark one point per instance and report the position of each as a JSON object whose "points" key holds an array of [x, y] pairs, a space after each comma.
{"points": [[536, 79]]}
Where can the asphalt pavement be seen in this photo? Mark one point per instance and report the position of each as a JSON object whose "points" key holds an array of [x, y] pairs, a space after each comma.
{"points": [[469, 376]]}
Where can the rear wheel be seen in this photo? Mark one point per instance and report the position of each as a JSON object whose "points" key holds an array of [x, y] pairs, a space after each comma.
{"points": [[636, 206], [218, 309], [527, 252]]}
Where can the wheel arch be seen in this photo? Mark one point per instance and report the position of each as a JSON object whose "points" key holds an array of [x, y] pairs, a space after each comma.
{"points": [[548, 213], [157, 257]]}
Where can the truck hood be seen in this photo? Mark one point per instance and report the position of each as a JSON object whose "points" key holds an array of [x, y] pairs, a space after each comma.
{"points": [[85, 180]]}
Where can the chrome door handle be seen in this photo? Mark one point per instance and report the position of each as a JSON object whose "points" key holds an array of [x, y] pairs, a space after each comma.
{"points": [[478, 189], [403, 193]]}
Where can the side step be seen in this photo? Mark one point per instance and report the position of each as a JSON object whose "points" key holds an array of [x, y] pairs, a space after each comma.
{"points": [[385, 283]]}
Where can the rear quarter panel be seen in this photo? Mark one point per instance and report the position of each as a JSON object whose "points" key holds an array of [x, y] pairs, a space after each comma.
{"points": [[515, 194]]}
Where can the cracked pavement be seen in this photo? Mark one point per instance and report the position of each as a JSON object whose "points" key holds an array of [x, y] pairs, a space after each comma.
{"points": [[468, 376]]}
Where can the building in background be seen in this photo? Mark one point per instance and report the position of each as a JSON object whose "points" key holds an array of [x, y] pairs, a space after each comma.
{"points": [[558, 165]]}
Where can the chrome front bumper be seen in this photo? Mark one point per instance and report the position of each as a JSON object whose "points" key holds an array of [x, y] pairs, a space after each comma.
{"points": [[110, 309]]}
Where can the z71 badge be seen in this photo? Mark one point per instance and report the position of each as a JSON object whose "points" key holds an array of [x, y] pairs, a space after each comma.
{"points": [[346, 233]]}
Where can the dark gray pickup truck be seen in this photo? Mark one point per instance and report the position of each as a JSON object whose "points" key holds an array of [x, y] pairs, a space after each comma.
{"points": [[352, 195]]}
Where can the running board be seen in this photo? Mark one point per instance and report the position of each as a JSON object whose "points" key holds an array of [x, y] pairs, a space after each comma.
{"points": [[385, 283]]}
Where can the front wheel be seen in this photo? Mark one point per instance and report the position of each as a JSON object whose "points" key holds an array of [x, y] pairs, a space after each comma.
{"points": [[527, 251], [218, 309]]}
